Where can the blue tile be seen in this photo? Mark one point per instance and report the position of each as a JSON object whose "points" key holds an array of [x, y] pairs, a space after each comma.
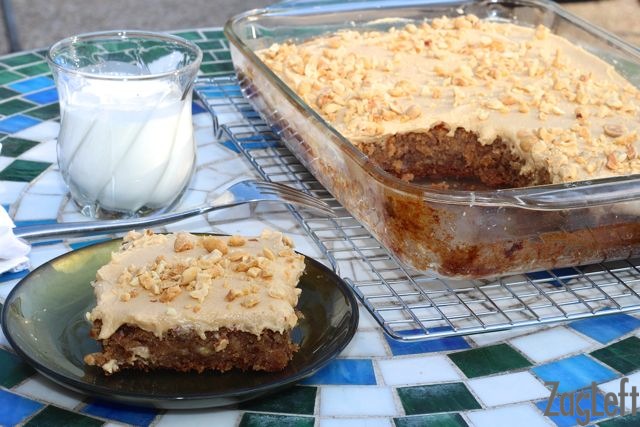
{"points": [[35, 222], [44, 97], [574, 372], [137, 416], [344, 371], [14, 408], [5, 277], [230, 145], [568, 414], [196, 108], [32, 85], [79, 245], [17, 123], [606, 328], [400, 348]]}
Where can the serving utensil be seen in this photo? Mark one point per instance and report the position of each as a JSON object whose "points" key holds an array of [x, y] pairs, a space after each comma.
{"points": [[237, 194]]}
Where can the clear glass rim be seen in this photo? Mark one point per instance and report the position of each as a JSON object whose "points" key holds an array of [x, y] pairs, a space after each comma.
{"points": [[192, 66]]}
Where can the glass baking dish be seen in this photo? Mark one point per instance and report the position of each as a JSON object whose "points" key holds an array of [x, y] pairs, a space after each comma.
{"points": [[454, 233]]}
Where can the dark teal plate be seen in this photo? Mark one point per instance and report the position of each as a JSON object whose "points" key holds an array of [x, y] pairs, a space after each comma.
{"points": [[44, 320]]}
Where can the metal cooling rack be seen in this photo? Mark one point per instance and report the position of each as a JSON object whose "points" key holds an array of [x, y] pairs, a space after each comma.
{"points": [[410, 305]]}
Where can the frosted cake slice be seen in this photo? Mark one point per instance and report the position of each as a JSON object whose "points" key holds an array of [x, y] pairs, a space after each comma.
{"points": [[193, 303]]}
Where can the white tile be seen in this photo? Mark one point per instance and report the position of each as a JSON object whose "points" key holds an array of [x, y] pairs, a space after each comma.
{"points": [[200, 417], [499, 389], [551, 344], [10, 191], [366, 320], [204, 135], [42, 132], [43, 152], [39, 206], [41, 254], [202, 120], [614, 386], [5, 161], [417, 370], [5, 288], [3, 340], [356, 401], [50, 182], [355, 422], [490, 338], [508, 416], [366, 344], [43, 389]]}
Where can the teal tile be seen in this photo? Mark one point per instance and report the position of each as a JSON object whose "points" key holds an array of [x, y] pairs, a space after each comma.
{"points": [[296, 400], [223, 67], [23, 170], [14, 370], [35, 69], [14, 106], [489, 360], [17, 60], [7, 93], [13, 147], [436, 420], [215, 34], [48, 112], [623, 356], [429, 399], [210, 44], [189, 35], [251, 419], [207, 57], [625, 421], [52, 416], [8, 76], [223, 55]]}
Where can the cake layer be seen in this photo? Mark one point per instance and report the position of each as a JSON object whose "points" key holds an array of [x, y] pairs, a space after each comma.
{"points": [[562, 113], [184, 350], [159, 283]]}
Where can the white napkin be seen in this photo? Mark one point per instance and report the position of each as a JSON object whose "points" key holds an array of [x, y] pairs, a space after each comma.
{"points": [[13, 251]]}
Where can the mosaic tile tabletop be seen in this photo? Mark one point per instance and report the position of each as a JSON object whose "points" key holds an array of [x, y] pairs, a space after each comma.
{"points": [[571, 371]]}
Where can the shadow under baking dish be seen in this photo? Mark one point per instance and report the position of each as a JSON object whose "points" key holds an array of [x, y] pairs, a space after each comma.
{"points": [[44, 320]]}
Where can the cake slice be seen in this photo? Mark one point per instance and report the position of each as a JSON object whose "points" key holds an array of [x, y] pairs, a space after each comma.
{"points": [[193, 303]]}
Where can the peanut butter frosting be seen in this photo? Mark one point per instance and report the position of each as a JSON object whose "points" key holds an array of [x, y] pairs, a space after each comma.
{"points": [[160, 282], [557, 106]]}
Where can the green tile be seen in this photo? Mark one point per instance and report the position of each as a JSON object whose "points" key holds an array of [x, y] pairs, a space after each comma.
{"points": [[623, 356], [13, 147], [223, 67], [23, 170], [28, 58], [489, 360], [7, 93], [35, 69], [189, 35], [626, 421], [48, 112], [428, 399], [251, 419], [14, 106], [210, 44], [436, 420], [14, 370], [52, 416], [223, 55], [214, 34], [296, 400], [207, 57], [8, 77]]}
